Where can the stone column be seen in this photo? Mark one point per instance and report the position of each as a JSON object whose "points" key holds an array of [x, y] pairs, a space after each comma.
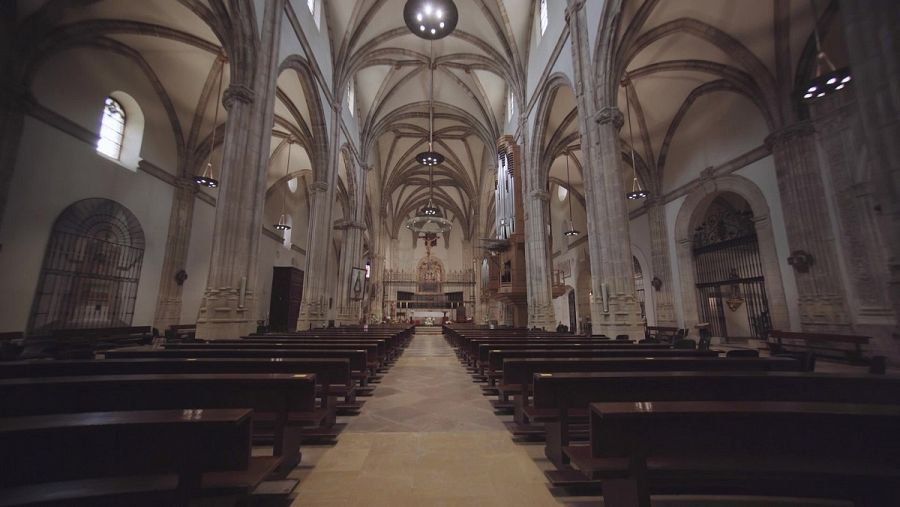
{"points": [[821, 293], [659, 253], [537, 260], [872, 31], [612, 265], [168, 303], [347, 309], [314, 308], [227, 309]]}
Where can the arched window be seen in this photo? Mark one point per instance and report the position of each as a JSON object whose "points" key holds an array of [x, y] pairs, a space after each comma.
{"points": [[544, 16], [315, 9], [112, 129], [351, 98]]}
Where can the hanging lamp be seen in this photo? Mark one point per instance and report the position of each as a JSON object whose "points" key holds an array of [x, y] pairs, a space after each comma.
{"points": [[571, 231], [637, 192], [828, 79], [430, 19], [206, 178], [430, 219], [430, 157], [282, 224]]}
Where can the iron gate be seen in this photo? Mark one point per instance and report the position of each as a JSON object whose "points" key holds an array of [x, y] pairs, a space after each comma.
{"points": [[91, 269], [729, 274]]}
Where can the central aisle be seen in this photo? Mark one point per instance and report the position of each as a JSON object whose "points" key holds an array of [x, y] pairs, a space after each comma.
{"points": [[427, 437]]}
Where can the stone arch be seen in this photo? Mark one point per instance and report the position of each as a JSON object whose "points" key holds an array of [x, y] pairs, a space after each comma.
{"points": [[647, 270], [539, 174], [689, 216]]}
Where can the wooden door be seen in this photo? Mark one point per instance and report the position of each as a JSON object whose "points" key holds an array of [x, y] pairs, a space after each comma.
{"points": [[287, 293]]}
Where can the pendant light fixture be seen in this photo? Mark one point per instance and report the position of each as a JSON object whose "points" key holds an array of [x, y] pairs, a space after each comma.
{"points": [[637, 192], [430, 19], [828, 79], [206, 179], [571, 231], [282, 224], [429, 218], [430, 157]]}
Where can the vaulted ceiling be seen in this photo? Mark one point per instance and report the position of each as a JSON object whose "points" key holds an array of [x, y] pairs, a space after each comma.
{"points": [[474, 70]]}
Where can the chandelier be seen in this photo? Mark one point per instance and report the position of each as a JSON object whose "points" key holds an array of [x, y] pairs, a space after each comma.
{"points": [[430, 19], [828, 79], [637, 192], [206, 178], [429, 219], [571, 231], [283, 224]]}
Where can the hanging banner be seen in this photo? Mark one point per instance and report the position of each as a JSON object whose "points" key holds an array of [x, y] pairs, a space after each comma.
{"points": [[357, 283]]}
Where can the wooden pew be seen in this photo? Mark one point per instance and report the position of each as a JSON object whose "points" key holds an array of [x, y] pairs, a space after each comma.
{"points": [[484, 349], [664, 334], [287, 400], [357, 357], [372, 356], [332, 376], [560, 399], [469, 349], [834, 346], [795, 449], [178, 332], [128, 458], [519, 373], [391, 344], [498, 355], [83, 343]]}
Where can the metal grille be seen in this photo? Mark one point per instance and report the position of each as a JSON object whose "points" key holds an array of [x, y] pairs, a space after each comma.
{"points": [[727, 272], [91, 269]]}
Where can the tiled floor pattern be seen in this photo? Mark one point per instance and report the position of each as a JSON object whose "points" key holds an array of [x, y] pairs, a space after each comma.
{"points": [[428, 437]]}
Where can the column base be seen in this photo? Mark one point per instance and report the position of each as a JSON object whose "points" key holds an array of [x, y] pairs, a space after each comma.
{"points": [[222, 317], [623, 317], [168, 313], [541, 317], [313, 315]]}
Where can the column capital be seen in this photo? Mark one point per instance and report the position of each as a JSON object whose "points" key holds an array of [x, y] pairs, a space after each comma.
{"points": [[237, 92], [787, 134], [610, 114], [318, 187], [540, 195], [572, 8]]}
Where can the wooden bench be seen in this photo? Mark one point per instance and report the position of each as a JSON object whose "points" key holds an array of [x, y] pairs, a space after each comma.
{"points": [[833, 346], [373, 360], [168, 457], [181, 332], [390, 347], [288, 401], [663, 333], [497, 356], [357, 357], [83, 343], [560, 399], [519, 373], [794, 449], [482, 360]]}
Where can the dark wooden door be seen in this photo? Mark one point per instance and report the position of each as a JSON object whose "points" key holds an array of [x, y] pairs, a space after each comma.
{"points": [[287, 292], [573, 320]]}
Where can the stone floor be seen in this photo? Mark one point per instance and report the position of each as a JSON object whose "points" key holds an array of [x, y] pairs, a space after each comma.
{"points": [[428, 437]]}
